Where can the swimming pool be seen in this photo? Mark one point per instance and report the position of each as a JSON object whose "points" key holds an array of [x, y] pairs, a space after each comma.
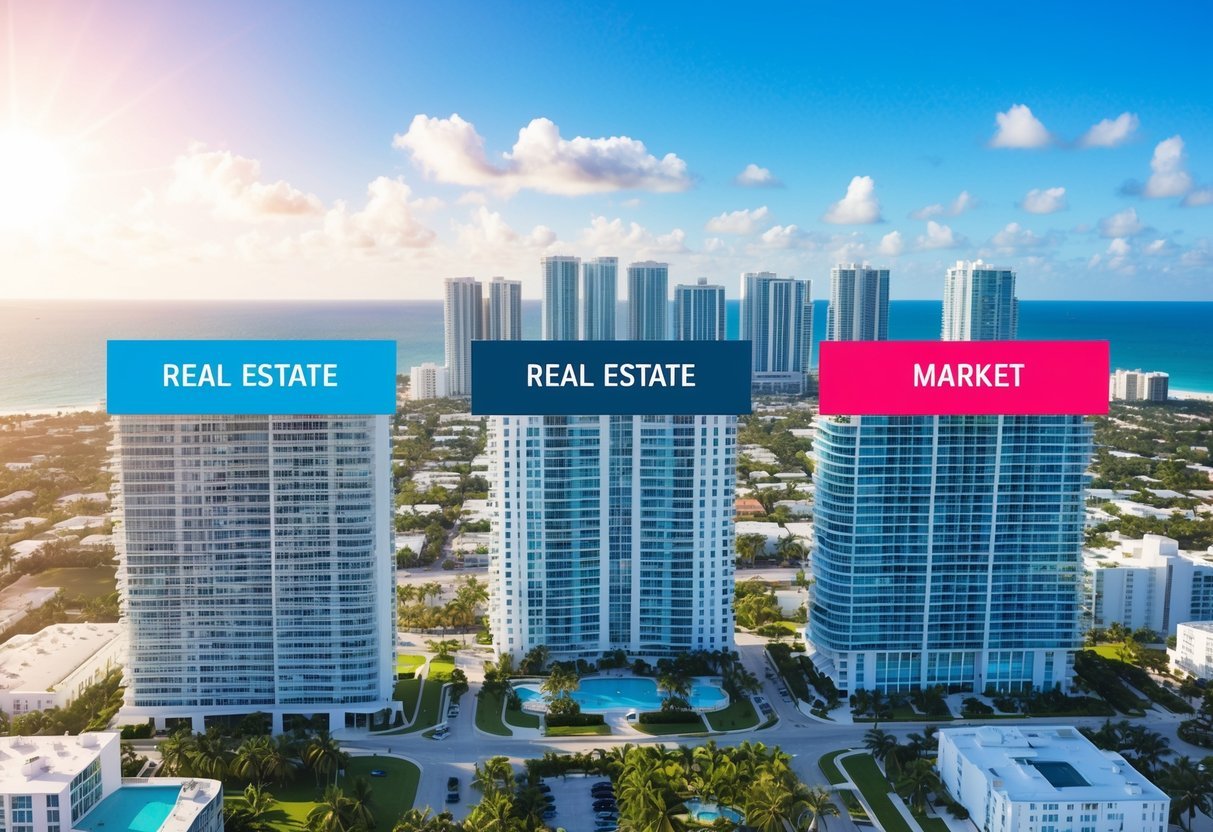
{"points": [[709, 813], [131, 809], [623, 693]]}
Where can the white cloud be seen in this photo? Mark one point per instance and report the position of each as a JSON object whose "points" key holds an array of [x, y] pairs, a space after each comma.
{"points": [[1156, 247], [1015, 237], [230, 186], [782, 236], [963, 202], [712, 245], [385, 224], [1169, 175], [613, 237], [939, 236], [450, 150], [1017, 127], [757, 177], [1044, 201], [1118, 251], [744, 221], [892, 244], [1110, 132], [1200, 196], [489, 234], [859, 206], [1121, 224]]}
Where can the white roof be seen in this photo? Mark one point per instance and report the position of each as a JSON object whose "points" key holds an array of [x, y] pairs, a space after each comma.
{"points": [[764, 529], [21, 522], [1012, 759], [16, 497], [1203, 626], [81, 521], [63, 758], [39, 661]]}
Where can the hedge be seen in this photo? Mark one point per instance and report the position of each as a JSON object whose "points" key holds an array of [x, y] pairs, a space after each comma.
{"points": [[574, 720], [669, 718]]}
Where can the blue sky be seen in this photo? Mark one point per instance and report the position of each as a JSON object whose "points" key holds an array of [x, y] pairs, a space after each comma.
{"points": [[271, 149]]}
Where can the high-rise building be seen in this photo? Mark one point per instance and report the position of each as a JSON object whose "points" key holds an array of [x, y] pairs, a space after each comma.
{"points": [[560, 306], [777, 318], [463, 320], [428, 381], [616, 532], [503, 310], [255, 566], [599, 298], [1139, 386], [699, 311], [1148, 583], [859, 304], [648, 301], [979, 303], [948, 549]]}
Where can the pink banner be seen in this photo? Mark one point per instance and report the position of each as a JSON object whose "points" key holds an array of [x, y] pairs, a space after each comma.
{"points": [[963, 378]]}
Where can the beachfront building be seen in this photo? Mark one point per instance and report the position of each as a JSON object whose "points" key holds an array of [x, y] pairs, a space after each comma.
{"points": [[979, 303], [1148, 583], [503, 310], [560, 298], [1046, 779], [859, 304], [614, 532], [777, 318], [1139, 386], [599, 298], [256, 570], [699, 311], [648, 301], [463, 319], [428, 381], [50, 668], [1193, 651], [56, 784]]}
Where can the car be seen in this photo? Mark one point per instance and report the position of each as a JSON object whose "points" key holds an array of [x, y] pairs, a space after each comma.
{"points": [[452, 784], [549, 813], [548, 798], [605, 791], [378, 772], [606, 827], [605, 816], [604, 805], [452, 797], [544, 787], [599, 783]]}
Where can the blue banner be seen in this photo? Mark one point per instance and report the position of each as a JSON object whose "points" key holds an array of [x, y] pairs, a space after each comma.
{"points": [[251, 377], [568, 378]]}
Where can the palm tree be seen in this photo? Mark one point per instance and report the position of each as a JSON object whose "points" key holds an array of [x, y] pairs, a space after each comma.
{"points": [[497, 771], [334, 812], [1190, 789], [258, 800], [494, 813], [324, 755], [360, 803], [281, 761], [880, 743], [818, 805], [248, 763], [211, 757], [769, 804], [918, 782], [1149, 748], [561, 682], [176, 751]]}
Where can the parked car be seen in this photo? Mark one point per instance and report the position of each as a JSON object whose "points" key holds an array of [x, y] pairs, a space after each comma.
{"points": [[604, 805], [544, 787], [378, 772]]}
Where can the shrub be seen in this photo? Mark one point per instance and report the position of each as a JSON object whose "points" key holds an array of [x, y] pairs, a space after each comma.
{"points": [[975, 707], [669, 718], [573, 720]]}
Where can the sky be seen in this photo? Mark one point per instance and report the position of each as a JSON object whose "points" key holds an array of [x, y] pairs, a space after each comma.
{"points": [[306, 150]]}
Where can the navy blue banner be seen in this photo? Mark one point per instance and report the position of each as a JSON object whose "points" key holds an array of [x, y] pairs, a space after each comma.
{"points": [[610, 378]]}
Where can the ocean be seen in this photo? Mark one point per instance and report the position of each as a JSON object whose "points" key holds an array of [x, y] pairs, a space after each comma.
{"points": [[52, 353]]}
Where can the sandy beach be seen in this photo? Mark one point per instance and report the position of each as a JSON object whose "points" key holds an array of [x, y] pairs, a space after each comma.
{"points": [[1190, 394]]}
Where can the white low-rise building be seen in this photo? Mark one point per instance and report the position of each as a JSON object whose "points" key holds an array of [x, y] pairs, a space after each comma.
{"points": [[50, 668], [1193, 651], [428, 381], [1046, 779], [1148, 583], [55, 784]]}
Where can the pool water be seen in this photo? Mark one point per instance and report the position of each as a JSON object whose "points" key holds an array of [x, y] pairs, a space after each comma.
{"points": [[710, 812], [131, 809], [611, 693]]}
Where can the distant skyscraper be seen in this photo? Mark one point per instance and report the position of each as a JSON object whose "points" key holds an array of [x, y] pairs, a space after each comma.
{"points": [[979, 303], [616, 532], [503, 310], [428, 381], [859, 304], [462, 323], [560, 307], [648, 301], [777, 318], [948, 548], [1137, 386], [599, 297], [255, 566], [699, 312]]}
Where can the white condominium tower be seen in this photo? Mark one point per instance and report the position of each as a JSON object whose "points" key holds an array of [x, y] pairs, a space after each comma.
{"points": [[699, 312], [859, 304], [463, 312], [648, 301], [616, 532], [503, 310], [948, 550], [979, 303], [777, 318], [599, 297], [256, 569], [560, 307], [1138, 386]]}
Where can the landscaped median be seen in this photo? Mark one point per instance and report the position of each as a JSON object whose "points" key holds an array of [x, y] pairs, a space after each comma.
{"points": [[489, 710], [868, 778]]}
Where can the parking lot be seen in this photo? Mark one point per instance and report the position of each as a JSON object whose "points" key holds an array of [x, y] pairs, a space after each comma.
{"points": [[573, 802]]}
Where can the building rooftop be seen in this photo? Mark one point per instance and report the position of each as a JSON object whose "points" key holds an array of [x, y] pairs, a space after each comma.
{"points": [[1050, 763], [1203, 626], [41, 660], [41, 765]]}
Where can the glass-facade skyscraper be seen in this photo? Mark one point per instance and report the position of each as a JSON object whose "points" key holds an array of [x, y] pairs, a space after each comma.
{"points": [[648, 301], [503, 310], [777, 318], [599, 298], [560, 302], [699, 312], [859, 304], [256, 568], [948, 548], [979, 303], [463, 322], [615, 532]]}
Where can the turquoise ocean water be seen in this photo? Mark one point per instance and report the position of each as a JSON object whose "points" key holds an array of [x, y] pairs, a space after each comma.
{"points": [[52, 353]]}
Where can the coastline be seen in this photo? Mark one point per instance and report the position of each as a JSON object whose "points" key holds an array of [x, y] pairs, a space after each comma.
{"points": [[52, 410], [1190, 395]]}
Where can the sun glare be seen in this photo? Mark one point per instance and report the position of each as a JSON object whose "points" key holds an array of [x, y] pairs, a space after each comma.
{"points": [[34, 180]]}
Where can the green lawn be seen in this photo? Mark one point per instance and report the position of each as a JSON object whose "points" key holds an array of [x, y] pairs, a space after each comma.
{"points": [[488, 716], [79, 581], [407, 662], [578, 730], [740, 714], [830, 768], [440, 669], [407, 691], [796, 628], [905, 713], [666, 729], [854, 807], [875, 788], [428, 712], [1112, 651]]}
